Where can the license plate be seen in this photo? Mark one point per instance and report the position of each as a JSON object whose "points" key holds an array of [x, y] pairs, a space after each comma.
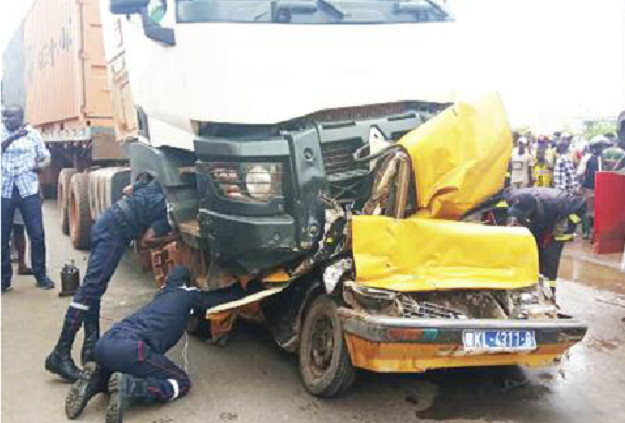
{"points": [[499, 340]]}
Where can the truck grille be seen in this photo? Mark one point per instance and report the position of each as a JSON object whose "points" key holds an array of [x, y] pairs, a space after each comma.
{"points": [[338, 156]]}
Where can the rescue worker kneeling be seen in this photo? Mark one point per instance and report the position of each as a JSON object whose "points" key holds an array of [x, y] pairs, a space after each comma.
{"points": [[130, 357], [552, 216]]}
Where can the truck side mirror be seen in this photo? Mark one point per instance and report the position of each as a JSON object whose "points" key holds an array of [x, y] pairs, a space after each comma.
{"points": [[152, 30], [128, 7]]}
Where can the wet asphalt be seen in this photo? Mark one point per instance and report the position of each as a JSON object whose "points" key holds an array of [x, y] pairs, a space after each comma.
{"points": [[252, 380]]}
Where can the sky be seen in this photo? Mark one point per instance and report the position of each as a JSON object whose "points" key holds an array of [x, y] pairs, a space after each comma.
{"points": [[553, 61]]}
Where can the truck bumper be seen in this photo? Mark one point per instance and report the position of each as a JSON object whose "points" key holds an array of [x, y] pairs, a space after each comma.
{"points": [[396, 344]]}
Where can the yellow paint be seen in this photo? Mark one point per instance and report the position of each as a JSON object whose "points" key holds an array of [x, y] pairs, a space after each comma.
{"points": [[417, 254], [460, 157], [277, 277], [415, 358], [574, 218], [542, 175]]}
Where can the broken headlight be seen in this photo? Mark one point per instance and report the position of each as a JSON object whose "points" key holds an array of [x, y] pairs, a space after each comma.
{"points": [[248, 182]]}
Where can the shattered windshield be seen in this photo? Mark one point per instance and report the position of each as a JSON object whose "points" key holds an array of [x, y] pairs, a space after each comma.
{"points": [[312, 11]]}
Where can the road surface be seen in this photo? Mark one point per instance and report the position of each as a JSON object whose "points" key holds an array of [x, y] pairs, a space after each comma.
{"points": [[252, 380]]}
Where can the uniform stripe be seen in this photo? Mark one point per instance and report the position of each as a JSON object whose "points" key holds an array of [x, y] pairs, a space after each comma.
{"points": [[174, 384], [79, 306]]}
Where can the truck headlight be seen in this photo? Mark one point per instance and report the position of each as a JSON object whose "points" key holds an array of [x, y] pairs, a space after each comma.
{"points": [[258, 181], [248, 182]]}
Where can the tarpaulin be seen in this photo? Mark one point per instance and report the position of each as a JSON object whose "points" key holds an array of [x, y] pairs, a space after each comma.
{"points": [[418, 254], [460, 157]]}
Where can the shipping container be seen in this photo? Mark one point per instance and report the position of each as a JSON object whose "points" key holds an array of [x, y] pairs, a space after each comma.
{"points": [[13, 71], [65, 70], [55, 68]]}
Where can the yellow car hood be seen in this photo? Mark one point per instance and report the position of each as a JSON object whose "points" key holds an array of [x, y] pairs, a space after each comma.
{"points": [[418, 254], [460, 157]]}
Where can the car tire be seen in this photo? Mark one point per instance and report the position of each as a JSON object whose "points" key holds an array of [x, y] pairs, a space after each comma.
{"points": [[325, 366]]}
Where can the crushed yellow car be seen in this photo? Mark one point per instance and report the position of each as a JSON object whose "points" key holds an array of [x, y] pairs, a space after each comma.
{"points": [[431, 292], [398, 284]]}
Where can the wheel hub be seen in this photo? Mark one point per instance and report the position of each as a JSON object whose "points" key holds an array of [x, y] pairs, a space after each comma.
{"points": [[322, 345]]}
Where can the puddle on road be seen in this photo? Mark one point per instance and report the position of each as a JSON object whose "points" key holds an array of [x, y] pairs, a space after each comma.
{"points": [[591, 274], [487, 394]]}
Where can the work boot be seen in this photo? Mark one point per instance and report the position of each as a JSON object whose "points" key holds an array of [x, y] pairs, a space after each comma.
{"points": [[60, 360], [125, 391], [45, 283], [92, 334], [86, 387]]}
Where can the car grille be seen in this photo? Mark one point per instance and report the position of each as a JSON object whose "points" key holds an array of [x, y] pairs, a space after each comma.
{"points": [[427, 310]]}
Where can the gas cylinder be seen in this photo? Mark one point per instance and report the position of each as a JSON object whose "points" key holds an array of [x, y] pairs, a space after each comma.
{"points": [[70, 279]]}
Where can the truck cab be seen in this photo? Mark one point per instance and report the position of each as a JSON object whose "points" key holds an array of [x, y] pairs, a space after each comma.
{"points": [[268, 101]]}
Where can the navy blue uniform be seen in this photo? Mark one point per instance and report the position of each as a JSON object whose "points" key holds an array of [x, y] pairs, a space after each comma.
{"points": [[115, 228], [137, 345], [110, 236], [547, 213]]}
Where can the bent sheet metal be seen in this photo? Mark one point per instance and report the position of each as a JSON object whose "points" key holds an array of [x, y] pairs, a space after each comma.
{"points": [[418, 254], [460, 157]]}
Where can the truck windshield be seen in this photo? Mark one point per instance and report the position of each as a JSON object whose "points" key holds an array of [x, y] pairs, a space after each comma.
{"points": [[317, 12]]}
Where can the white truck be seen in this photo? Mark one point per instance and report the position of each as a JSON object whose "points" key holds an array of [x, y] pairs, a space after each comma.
{"points": [[278, 131]]}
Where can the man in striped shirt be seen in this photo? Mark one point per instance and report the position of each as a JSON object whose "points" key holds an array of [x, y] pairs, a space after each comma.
{"points": [[23, 155], [564, 171]]}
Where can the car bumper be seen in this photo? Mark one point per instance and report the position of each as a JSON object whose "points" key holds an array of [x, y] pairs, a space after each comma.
{"points": [[396, 344]]}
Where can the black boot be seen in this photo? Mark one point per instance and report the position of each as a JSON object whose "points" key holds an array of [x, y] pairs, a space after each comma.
{"points": [[89, 385], [60, 359], [92, 334], [125, 391]]}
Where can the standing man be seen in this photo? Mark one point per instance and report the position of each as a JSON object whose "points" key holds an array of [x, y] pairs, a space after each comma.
{"points": [[143, 211], [590, 164], [521, 175], [23, 156], [552, 216], [130, 357], [613, 157], [564, 177]]}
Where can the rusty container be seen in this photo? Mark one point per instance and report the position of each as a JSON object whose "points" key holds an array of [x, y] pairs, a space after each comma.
{"points": [[65, 78]]}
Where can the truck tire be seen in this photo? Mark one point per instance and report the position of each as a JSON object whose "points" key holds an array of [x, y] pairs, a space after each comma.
{"points": [[79, 212], [325, 366], [65, 176]]}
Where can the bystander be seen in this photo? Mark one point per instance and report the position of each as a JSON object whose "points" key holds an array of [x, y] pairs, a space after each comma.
{"points": [[23, 154]]}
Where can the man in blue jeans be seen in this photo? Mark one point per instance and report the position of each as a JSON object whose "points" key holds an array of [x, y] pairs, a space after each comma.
{"points": [[23, 154], [130, 357]]}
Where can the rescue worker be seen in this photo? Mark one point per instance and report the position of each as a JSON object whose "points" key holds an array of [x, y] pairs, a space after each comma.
{"points": [[552, 216], [130, 357], [142, 210]]}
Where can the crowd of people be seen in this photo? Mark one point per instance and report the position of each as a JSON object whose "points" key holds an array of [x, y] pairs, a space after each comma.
{"points": [[567, 163]]}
